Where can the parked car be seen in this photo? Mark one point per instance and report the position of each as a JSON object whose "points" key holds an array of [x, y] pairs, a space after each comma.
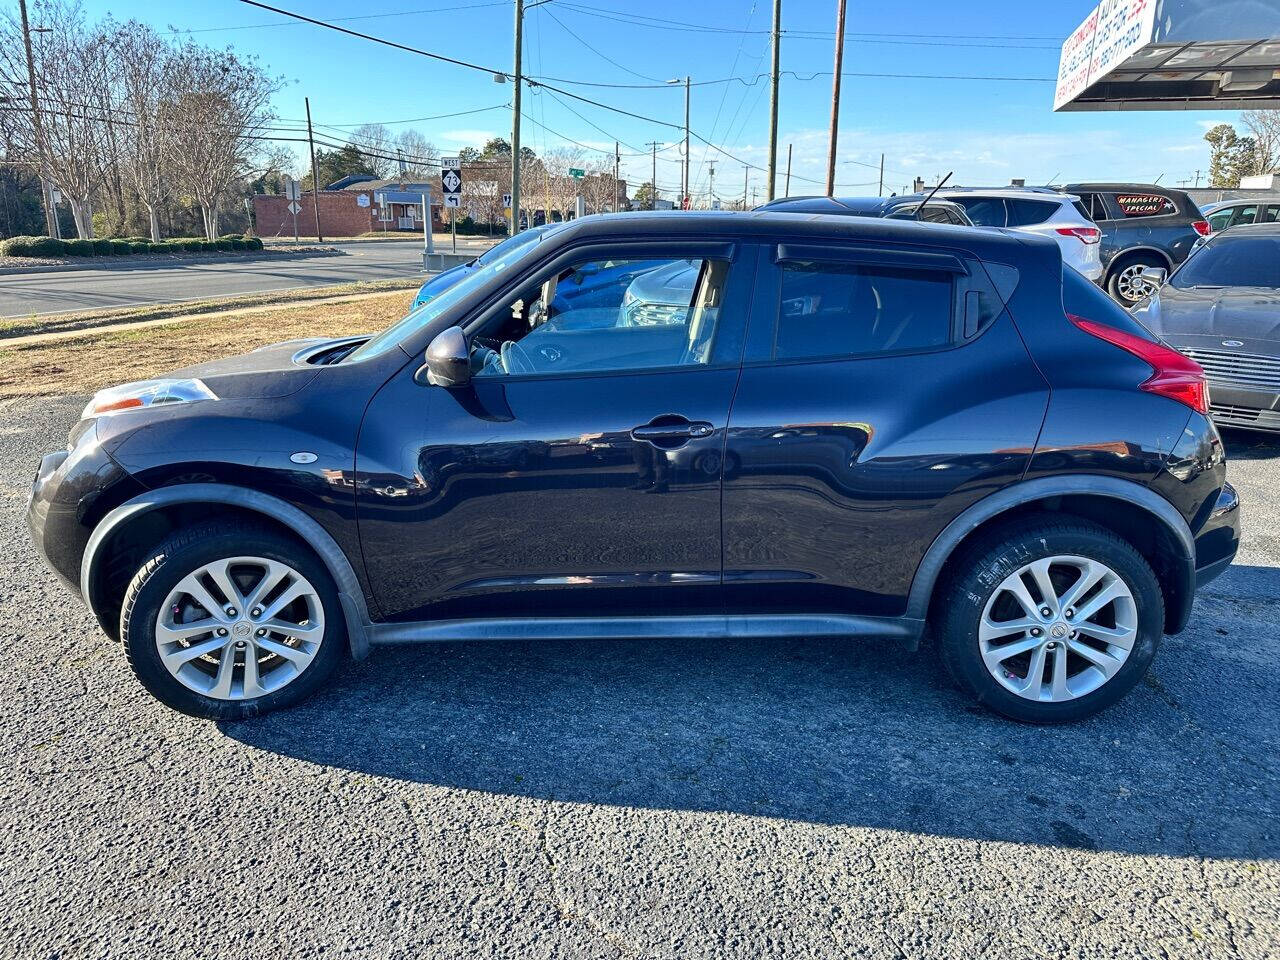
{"points": [[895, 208], [861, 427], [1045, 213], [447, 278], [1143, 226], [1222, 309], [1234, 213]]}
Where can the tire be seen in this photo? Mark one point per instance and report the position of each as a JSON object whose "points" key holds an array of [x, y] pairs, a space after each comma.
{"points": [[315, 610], [1117, 279], [976, 597]]}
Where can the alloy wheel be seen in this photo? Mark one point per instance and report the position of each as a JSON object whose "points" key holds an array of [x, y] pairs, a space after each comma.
{"points": [[1058, 628], [240, 628], [1130, 285]]}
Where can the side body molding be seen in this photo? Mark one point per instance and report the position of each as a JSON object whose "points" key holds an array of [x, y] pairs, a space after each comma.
{"points": [[354, 610], [1043, 488]]}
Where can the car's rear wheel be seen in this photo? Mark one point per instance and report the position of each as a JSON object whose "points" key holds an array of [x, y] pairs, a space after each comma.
{"points": [[1051, 621], [1125, 284], [228, 621]]}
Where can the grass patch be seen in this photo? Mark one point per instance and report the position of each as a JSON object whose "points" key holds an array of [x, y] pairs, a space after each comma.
{"points": [[83, 364], [88, 319]]}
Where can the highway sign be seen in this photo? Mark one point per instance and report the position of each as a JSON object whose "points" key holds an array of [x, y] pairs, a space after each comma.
{"points": [[452, 200], [506, 200], [576, 173], [452, 181], [293, 207], [292, 189], [450, 163]]}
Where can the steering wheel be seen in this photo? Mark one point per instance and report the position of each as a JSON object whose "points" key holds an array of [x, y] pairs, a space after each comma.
{"points": [[514, 359]]}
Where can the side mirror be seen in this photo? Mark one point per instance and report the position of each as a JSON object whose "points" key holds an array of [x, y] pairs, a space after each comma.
{"points": [[1152, 279], [448, 359]]}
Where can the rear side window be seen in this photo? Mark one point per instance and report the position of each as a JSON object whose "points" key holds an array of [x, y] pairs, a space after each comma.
{"points": [[1029, 213], [1245, 214], [1145, 205], [984, 211], [1081, 298], [835, 310]]}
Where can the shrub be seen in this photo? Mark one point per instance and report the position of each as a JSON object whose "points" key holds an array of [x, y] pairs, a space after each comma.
{"points": [[192, 245], [139, 246], [136, 239], [222, 245], [33, 247], [81, 248], [121, 247], [161, 247], [101, 246], [253, 243], [232, 236], [237, 243]]}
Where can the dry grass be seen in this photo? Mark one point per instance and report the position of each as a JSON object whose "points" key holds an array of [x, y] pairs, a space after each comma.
{"points": [[99, 359]]}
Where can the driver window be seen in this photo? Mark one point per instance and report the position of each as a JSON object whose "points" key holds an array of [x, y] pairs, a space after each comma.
{"points": [[606, 315]]}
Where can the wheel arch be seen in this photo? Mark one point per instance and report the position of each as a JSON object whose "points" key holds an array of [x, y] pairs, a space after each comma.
{"points": [[1129, 253], [142, 522], [1133, 511]]}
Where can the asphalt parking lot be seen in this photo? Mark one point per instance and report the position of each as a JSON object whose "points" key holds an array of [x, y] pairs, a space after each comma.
{"points": [[638, 799]]}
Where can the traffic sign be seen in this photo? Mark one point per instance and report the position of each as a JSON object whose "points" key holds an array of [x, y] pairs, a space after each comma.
{"points": [[452, 181], [294, 208], [506, 200], [450, 163], [576, 173], [292, 189], [452, 200]]}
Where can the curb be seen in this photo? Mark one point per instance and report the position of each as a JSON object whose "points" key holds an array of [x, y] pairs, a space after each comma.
{"points": [[104, 263]]}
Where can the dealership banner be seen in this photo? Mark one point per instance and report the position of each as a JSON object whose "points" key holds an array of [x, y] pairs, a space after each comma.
{"points": [[1111, 34]]}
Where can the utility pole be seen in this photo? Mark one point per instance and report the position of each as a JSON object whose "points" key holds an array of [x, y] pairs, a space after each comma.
{"points": [[315, 175], [685, 196], [773, 104], [835, 99], [711, 184], [50, 211], [746, 182], [653, 184], [787, 191], [1197, 178], [881, 193], [617, 185], [515, 126]]}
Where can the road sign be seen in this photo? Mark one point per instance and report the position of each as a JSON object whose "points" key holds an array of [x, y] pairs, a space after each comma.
{"points": [[452, 181], [292, 189], [715, 204], [506, 200], [450, 163], [452, 200], [576, 173], [293, 207]]}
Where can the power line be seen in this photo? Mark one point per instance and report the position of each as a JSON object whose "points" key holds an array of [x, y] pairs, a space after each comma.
{"points": [[602, 56], [366, 16]]}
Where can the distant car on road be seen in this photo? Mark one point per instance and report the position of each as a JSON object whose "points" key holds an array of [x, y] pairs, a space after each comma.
{"points": [[893, 208], [1143, 226], [1046, 213], [443, 281], [1222, 309], [1234, 213]]}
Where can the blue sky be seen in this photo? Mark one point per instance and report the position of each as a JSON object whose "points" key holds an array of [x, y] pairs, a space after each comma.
{"points": [[986, 131]]}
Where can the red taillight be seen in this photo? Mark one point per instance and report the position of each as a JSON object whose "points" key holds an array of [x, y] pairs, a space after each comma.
{"points": [[1087, 234], [124, 404], [1174, 376], [1202, 227]]}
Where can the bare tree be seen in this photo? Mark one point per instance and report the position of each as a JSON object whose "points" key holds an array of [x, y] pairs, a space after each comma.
{"points": [[220, 105], [378, 146], [143, 66], [421, 158], [599, 188], [1264, 129]]}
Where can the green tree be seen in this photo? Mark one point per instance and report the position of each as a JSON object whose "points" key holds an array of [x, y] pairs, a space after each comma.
{"points": [[1231, 156], [333, 165], [644, 196]]}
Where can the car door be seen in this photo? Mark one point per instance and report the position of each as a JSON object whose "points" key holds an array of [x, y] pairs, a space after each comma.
{"points": [[891, 392], [578, 473]]}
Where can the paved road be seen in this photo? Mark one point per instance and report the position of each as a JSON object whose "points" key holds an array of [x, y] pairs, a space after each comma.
{"points": [[22, 295], [677, 800]]}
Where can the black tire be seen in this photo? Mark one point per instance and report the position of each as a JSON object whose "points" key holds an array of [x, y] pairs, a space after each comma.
{"points": [[188, 550], [1123, 264], [977, 573]]}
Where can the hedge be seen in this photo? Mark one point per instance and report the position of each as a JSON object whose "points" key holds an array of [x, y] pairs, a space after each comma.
{"points": [[120, 246]]}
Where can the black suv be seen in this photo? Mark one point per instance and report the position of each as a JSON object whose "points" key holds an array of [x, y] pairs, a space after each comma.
{"points": [[853, 427], [1143, 225], [905, 207]]}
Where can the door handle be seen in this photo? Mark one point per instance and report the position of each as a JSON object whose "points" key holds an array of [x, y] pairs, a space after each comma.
{"points": [[672, 431]]}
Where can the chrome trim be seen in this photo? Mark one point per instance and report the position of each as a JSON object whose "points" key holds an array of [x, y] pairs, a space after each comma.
{"points": [[1250, 370]]}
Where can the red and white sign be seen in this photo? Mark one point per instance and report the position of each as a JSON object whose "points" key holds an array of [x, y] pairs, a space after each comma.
{"points": [[1113, 32]]}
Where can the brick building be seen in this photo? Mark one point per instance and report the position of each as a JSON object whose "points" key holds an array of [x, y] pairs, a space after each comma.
{"points": [[348, 208]]}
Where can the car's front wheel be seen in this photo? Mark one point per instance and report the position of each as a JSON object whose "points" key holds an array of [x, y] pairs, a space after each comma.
{"points": [[229, 620], [1050, 621], [1126, 285]]}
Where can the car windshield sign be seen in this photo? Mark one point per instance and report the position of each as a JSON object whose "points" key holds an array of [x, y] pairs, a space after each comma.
{"points": [[1232, 262], [417, 319]]}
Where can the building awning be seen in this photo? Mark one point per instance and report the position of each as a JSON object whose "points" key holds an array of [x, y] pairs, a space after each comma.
{"points": [[1173, 55]]}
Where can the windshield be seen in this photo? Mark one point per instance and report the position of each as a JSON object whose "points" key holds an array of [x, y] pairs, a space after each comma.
{"points": [[417, 319], [1232, 262]]}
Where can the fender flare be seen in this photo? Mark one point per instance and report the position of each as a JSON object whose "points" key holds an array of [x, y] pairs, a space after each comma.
{"points": [[1130, 251], [1043, 488], [350, 594]]}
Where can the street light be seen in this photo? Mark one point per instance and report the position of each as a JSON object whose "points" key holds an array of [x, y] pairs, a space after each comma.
{"points": [[684, 191]]}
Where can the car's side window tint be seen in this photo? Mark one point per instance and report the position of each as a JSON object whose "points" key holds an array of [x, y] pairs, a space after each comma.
{"points": [[606, 315], [834, 309], [984, 211], [1272, 214], [1244, 214], [1029, 213], [1219, 220]]}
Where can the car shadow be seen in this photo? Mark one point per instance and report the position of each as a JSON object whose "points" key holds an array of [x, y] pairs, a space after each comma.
{"points": [[831, 732], [1250, 444]]}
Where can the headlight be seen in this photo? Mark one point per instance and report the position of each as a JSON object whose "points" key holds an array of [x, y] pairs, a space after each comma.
{"points": [[146, 393]]}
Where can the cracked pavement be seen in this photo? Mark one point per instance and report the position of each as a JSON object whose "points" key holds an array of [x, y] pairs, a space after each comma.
{"points": [[638, 799]]}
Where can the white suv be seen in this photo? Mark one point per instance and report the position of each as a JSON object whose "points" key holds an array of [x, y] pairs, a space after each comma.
{"points": [[1047, 213]]}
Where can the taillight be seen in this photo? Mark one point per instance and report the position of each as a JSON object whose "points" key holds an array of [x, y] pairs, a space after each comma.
{"points": [[1202, 227], [1087, 234], [1174, 376]]}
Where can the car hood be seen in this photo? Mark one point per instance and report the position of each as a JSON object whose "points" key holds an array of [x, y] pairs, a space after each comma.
{"points": [[1206, 317], [672, 284], [266, 373], [444, 280]]}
